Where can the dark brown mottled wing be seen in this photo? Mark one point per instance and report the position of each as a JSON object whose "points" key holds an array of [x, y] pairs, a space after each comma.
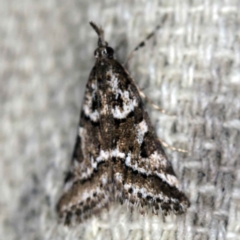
{"points": [[142, 175], [88, 184], [117, 154]]}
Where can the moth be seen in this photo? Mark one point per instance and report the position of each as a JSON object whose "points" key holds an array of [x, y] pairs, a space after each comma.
{"points": [[117, 155]]}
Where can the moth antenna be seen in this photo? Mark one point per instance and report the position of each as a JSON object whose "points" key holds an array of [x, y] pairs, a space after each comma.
{"points": [[143, 43], [100, 33]]}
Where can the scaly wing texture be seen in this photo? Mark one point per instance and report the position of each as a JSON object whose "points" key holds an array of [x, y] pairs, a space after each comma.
{"points": [[87, 184], [117, 154]]}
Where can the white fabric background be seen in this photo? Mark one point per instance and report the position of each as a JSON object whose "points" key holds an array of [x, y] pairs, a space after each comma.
{"points": [[190, 68]]}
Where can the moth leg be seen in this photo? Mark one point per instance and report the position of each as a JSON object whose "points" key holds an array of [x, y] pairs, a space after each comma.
{"points": [[164, 112], [171, 147], [142, 94]]}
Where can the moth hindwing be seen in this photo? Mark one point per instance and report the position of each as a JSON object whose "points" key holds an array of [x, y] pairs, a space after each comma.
{"points": [[117, 155]]}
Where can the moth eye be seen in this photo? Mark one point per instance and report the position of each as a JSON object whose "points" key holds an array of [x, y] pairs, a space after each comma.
{"points": [[110, 52], [96, 54]]}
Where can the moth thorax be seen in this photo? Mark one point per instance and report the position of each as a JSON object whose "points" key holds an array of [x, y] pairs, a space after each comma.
{"points": [[104, 52]]}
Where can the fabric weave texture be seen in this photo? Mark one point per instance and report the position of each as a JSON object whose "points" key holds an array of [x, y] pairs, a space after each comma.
{"points": [[190, 68]]}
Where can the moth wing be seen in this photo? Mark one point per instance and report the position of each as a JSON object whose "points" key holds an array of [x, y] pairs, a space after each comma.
{"points": [[87, 183], [142, 173], [117, 154]]}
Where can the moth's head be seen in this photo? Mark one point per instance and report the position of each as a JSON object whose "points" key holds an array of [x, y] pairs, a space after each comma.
{"points": [[103, 50]]}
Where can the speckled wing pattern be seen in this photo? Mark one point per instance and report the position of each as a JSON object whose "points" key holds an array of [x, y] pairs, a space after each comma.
{"points": [[117, 155]]}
